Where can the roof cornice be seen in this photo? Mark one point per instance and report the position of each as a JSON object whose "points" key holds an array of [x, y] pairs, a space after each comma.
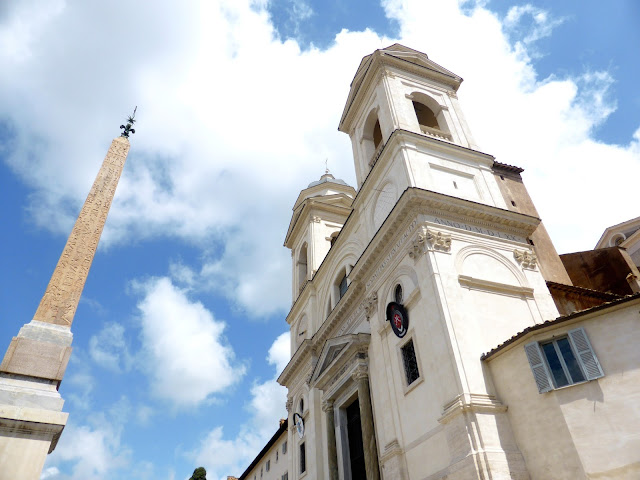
{"points": [[313, 204]]}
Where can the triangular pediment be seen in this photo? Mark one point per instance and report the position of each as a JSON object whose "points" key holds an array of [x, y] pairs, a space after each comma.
{"points": [[337, 204], [618, 234], [400, 57], [336, 352]]}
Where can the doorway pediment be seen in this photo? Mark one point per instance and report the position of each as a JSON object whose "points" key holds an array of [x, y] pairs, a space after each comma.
{"points": [[336, 353]]}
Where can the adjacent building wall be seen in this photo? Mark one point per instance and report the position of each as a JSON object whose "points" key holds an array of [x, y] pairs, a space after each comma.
{"points": [[586, 430], [604, 269], [517, 199]]}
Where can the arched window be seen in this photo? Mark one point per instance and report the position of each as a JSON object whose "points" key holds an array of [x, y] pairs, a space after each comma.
{"points": [[342, 286], [302, 266], [372, 139], [398, 294], [426, 117], [377, 134]]}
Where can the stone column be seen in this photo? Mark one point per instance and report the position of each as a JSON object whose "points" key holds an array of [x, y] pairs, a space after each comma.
{"points": [[327, 408], [361, 376]]}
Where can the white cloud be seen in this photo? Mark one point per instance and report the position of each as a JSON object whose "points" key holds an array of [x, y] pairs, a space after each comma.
{"points": [[109, 348], [233, 123], [183, 347], [79, 381], [223, 456], [88, 451], [530, 23]]}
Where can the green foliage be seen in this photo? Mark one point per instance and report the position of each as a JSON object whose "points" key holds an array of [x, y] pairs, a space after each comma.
{"points": [[199, 474]]}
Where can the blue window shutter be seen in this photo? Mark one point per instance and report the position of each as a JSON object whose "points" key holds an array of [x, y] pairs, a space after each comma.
{"points": [[586, 355], [540, 372]]}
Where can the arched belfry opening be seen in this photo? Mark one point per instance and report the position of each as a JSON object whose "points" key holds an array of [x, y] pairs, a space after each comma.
{"points": [[430, 116], [426, 117], [302, 266], [377, 134], [372, 139]]}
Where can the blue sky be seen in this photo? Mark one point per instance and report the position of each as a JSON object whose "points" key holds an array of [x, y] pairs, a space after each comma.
{"points": [[180, 332]]}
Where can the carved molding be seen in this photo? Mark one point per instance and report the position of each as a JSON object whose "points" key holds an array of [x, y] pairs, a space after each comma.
{"points": [[470, 402], [391, 450], [392, 254], [526, 258], [316, 219]]}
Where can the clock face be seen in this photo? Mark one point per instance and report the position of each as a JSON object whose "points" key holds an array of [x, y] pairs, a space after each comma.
{"points": [[299, 422]]}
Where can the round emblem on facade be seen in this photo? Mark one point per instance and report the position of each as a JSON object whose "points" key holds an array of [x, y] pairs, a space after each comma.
{"points": [[397, 315], [299, 423]]}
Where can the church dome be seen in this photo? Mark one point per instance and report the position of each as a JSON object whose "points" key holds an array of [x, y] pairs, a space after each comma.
{"points": [[327, 178]]}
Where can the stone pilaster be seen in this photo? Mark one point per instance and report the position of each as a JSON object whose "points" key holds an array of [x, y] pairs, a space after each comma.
{"points": [[361, 376], [327, 408]]}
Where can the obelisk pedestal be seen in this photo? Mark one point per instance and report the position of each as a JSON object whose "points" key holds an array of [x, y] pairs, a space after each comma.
{"points": [[31, 417]]}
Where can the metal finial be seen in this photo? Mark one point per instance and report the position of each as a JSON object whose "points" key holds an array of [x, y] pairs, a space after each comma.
{"points": [[131, 119], [326, 166]]}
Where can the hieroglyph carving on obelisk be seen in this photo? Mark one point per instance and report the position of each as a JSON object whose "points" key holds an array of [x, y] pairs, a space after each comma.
{"points": [[60, 300]]}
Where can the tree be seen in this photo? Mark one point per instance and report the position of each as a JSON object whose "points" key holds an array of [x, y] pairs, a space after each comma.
{"points": [[199, 474]]}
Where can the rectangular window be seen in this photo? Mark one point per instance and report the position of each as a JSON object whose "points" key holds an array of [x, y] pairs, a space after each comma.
{"points": [[268, 465], [284, 447], [303, 459], [285, 476], [563, 361], [410, 362], [277, 452]]}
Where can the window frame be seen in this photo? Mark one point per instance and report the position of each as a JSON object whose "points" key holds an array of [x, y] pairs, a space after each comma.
{"points": [[563, 362], [302, 460], [409, 338], [581, 349]]}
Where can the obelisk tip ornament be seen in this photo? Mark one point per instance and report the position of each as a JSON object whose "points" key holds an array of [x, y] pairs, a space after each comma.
{"points": [[31, 417], [127, 129]]}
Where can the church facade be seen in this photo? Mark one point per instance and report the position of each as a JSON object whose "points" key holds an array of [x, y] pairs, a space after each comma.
{"points": [[435, 331]]}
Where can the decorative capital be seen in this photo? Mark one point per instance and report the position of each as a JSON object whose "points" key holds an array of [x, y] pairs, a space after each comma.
{"points": [[526, 258], [289, 404], [439, 240], [126, 130], [327, 406], [417, 247], [360, 372], [316, 219], [370, 305], [452, 94]]}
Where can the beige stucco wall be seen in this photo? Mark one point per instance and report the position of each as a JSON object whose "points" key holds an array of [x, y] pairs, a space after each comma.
{"points": [[588, 430], [277, 468]]}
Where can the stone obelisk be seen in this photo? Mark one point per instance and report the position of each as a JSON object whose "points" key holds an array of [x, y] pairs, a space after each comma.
{"points": [[31, 417]]}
